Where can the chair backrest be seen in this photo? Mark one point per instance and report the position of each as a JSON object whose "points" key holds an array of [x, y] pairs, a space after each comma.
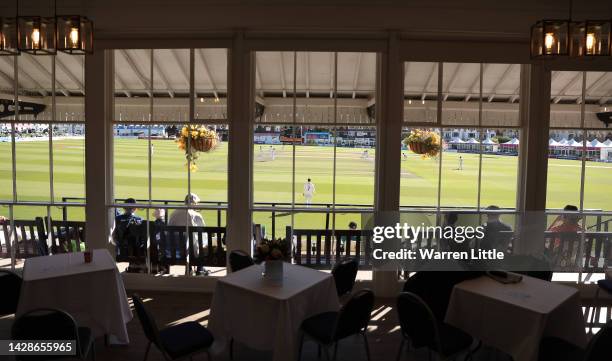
{"points": [[345, 273], [45, 324], [207, 246], [239, 260], [29, 239], [355, 314], [600, 347], [10, 284], [131, 242], [147, 321], [436, 287], [67, 236], [417, 321], [173, 245]]}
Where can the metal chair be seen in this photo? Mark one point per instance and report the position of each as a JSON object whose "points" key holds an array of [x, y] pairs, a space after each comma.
{"points": [[53, 324], [329, 328], [239, 260], [606, 285], [421, 328], [175, 342], [10, 284], [598, 349], [345, 273]]}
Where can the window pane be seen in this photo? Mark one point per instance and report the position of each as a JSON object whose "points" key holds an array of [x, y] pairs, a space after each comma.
{"points": [[211, 84], [273, 163], [419, 175], [460, 164], [209, 181], [32, 160], [420, 92], [6, 162], [355, 165], [566, 93], [70, 81], [69, 162], [564, 168], [499, 178], [130, 162], [461, 82]]}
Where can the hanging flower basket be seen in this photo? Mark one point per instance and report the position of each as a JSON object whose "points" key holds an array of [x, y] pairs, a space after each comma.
{"points": [[194, 139], [424, 142]]}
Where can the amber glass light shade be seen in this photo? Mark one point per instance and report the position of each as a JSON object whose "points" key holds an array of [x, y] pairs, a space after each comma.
{"points": [[550, 38], [74, 34], [8, 36], [36, 35]]}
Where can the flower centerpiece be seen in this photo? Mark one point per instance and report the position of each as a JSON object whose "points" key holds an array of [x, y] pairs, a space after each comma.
{"points": [[272, 252], [424, 142], [194, 139]]}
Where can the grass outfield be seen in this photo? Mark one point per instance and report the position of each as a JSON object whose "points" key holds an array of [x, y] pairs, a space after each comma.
{"points": [[273, 178]]}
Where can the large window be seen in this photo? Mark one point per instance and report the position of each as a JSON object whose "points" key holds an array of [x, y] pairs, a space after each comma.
{"points": [[314, 147], [162, 160], [473, 109], [42, 156], [579, 166]]}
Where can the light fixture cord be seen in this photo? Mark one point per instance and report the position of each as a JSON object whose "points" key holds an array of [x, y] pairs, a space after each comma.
{"points": [[570, 9]]}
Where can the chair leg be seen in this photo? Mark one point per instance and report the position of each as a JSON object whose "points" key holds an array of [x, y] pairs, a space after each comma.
{"points": [[93, 351], [147, 351], [300, 348], [335, 350], [318, 351], [326, 351], [231, 350], [208, 355], [399, 352], [367, 347], [594, 315]]}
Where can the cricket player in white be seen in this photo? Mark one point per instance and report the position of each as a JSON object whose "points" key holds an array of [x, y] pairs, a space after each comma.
{"points": [[460, 163], [309, 190]]}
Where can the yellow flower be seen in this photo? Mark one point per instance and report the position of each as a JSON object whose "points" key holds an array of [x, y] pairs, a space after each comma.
{"points": [[193, 167], [194, 133], [184, 132]]}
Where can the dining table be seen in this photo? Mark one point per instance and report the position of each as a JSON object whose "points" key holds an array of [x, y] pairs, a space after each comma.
{"points": [[266, 315], [93, 292], [514, 317]]}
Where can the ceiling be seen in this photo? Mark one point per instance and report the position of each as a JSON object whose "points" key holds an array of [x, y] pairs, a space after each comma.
{"points": [[280, 74]]}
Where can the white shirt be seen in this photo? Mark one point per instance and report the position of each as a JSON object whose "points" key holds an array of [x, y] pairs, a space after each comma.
{"points": [[180, 217], [309, 189]]}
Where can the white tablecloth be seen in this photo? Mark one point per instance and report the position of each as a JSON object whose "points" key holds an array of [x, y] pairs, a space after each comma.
{"points": [[514, 317], [264, 316], [93, 293]]}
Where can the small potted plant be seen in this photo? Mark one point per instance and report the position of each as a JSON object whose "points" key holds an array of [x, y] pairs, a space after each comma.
{"points": [[424, 142], [273, 252]]}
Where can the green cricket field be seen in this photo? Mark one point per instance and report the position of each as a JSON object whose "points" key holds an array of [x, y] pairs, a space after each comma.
{"points": [[277, 179]]}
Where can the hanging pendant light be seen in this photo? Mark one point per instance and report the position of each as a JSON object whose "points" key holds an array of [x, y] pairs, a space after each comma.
{"points": [[550, 38], [8, 35], [36, 35], [597, 38], [74, 34]]}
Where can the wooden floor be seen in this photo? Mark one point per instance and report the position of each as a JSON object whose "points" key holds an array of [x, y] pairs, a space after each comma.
{"points": [[171, 308]]}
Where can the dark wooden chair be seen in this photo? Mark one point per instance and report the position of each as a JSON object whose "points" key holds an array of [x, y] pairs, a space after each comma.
{"points": [[207, 247], [172, 245], [30, 236], [131, 246], [67, 236], [316, 247]]}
